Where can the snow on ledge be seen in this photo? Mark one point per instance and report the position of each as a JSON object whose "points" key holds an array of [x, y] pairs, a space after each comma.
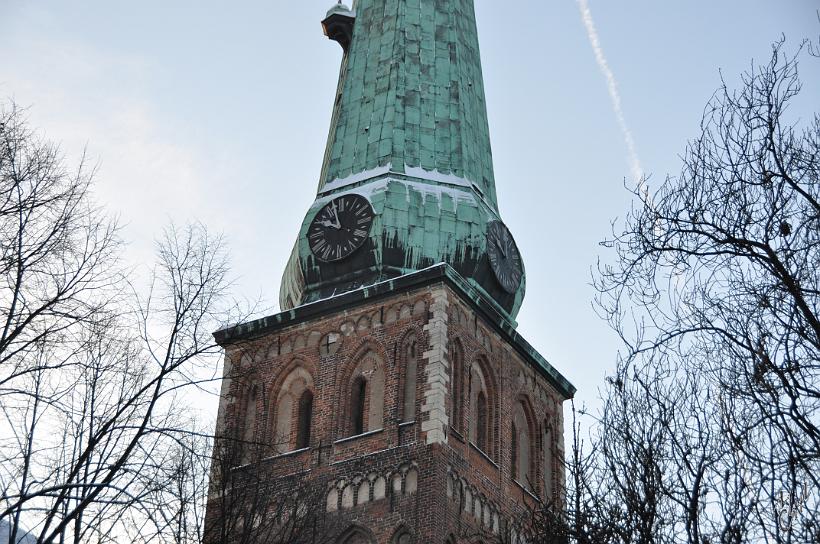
{"points": [[435, 175], [411, 171], [338, 183]]}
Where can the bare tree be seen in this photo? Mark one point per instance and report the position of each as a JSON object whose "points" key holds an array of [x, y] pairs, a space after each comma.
{"points": [[252, 502], [97, 442], [581, 513], [711, 425], [92, 371], [56, 249]]}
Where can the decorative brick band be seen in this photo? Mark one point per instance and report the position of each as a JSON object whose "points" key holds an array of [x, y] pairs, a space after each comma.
{"points": [[371, 487]]}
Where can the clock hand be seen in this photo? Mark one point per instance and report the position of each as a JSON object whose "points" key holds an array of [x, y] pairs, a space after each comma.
{"points": [[338, 224], [326, 223], [499, 246]]}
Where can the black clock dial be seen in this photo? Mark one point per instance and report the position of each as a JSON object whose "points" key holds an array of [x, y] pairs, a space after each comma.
{"points": [[340, 227], [504, 257]]}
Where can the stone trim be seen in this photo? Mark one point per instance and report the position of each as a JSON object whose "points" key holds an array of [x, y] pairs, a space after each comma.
{"points": [[356, 436], [434, 416]]}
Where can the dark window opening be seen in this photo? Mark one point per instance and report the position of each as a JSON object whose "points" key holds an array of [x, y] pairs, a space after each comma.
{"points": [[481, 422], [305, 416], [357, 405], [410, 372]]}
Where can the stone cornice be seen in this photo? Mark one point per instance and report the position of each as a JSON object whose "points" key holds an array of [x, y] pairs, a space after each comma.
{"points": [[441, 272]]}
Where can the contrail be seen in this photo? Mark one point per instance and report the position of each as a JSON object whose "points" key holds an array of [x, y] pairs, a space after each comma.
{"points": [[612, 87]]}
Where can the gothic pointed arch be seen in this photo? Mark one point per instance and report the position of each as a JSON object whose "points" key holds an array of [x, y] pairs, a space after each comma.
{"points": [[292, 419], [522, 444], [362, 393], [483, 398], [409, 376], [356, 534], [402, 535]]}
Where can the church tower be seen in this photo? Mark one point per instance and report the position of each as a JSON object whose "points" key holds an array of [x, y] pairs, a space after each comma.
{"points": [[394, 382]]}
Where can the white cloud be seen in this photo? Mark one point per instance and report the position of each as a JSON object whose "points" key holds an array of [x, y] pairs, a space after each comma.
{"points": [[82, 96]]}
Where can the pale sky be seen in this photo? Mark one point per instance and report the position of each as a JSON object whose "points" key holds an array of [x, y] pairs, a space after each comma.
{"points": [[219, 112]]}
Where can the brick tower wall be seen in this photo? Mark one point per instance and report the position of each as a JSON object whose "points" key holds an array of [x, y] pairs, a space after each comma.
{"points": [[433, 474]]}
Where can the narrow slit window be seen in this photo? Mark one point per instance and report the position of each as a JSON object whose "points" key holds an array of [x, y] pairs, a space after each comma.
{"points": [[481, 421], [410, 371], [357, 405], [304, 421]]}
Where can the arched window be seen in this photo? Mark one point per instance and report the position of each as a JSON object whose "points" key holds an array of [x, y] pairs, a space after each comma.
{"points": [[410, 371], [521, 446], [304, 419], [524, 465], [483, 413], [456, 385], [293, 412], [355, 535], [358, 401], [481, 422], [363, 409]]}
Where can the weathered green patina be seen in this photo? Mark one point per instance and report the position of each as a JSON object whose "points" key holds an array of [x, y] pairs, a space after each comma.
{"points": [[410, 133], [411, 94]]}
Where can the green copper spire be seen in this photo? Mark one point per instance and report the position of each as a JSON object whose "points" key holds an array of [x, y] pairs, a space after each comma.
{"points": [[411, 94], [407, 179]]}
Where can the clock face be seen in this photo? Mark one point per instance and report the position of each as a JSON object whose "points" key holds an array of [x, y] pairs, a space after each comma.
{"points": [[340, 227], [504, 257]]}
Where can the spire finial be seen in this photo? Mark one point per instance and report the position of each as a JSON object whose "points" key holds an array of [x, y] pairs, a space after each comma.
{"points": [[338, 24]]}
